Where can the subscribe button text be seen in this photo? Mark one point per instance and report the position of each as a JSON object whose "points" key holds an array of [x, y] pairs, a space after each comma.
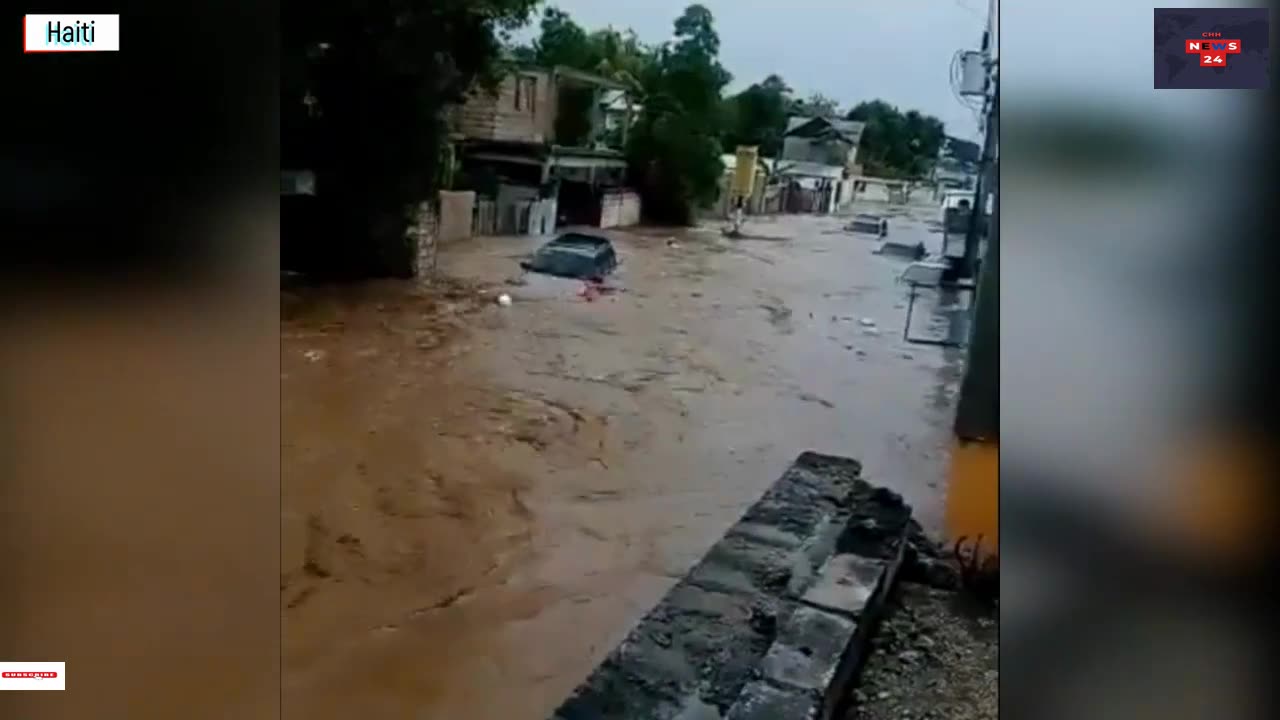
{"points": [[33, 676], [71, 33]]}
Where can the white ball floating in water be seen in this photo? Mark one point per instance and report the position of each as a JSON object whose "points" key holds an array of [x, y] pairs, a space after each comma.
{"points": [[504, 300]]}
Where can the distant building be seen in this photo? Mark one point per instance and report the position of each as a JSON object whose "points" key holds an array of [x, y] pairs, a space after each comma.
{"points": [[957, 164], [620, 111], [826, 141], [521, 149], [819, 155]]}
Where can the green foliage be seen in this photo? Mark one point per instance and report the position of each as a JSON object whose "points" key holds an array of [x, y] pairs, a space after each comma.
{"points": [[675, 162], [758, 116], [897, 144], [675, 148], [621, 57], [816, 105], [690, 67], [379, 76], [561, 41], [686, 124]]}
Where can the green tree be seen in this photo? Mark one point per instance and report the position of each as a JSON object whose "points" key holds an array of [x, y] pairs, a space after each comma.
{"points": [[758, 116], [364, 90], [816, 105], [675, 149], [897, 144], [690, 66], [619, 56], [675, 145], [561, 41]]}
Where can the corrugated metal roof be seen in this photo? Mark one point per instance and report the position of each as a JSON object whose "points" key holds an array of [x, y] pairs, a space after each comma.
{"points": [[851, 130]]}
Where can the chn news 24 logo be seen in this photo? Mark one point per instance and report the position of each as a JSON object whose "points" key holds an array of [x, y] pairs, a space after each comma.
{"points": [[1213, 52], [1208, 48]]}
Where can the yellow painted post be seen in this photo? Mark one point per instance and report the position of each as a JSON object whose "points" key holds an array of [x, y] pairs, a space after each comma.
{"points": [[973, 494], [744, 175], [744, 180]]}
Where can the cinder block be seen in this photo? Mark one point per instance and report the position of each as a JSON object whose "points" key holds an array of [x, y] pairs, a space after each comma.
{"points": [[767, 534], [845, 584], [808, 649], [761, 701]]}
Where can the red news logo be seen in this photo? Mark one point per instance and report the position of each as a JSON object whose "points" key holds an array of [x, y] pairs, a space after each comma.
{"points": [[29, 674], [1212, 50]]}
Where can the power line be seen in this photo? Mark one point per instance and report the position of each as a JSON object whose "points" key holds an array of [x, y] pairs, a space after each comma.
{"points": [[976, 13]]}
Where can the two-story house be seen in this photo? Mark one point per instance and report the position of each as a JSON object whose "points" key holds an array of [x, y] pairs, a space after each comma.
{"points": [[544, 134], [826, 141], [819, 155]]}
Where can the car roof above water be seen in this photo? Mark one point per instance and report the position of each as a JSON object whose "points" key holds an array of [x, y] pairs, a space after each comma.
{"points": [[575, 239]]}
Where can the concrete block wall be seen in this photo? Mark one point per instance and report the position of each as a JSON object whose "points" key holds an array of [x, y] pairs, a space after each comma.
{"points": [[775, 620], [522, 110]]}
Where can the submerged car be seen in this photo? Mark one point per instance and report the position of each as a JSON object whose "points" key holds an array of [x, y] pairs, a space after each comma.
{"points": [[574, 255]]}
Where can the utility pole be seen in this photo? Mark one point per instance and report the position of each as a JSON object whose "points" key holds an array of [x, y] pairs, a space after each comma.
{"points": [[991, 130], [977, 216], [978, 407], [973, 490]]}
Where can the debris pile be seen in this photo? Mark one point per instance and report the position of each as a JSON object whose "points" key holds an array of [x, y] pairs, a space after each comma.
{"points": [[869, 224]]}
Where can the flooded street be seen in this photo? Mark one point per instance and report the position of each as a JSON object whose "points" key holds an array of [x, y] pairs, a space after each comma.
{"points": [[479, 501]]}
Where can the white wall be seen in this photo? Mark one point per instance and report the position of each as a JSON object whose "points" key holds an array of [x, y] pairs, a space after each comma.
{"points": [[619, 209]]}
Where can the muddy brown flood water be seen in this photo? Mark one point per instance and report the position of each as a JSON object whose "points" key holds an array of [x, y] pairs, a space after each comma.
{"points": [[479, 501]]}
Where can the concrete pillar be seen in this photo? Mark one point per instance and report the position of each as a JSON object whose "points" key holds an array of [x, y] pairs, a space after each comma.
{"points": [[425, 232]]}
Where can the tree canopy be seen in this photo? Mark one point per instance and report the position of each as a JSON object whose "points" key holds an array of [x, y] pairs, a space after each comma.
{"points": [[758, 116], [687, 123], [675, 147], [816, 105], [619, 56], [364, 90], [894, 143]]}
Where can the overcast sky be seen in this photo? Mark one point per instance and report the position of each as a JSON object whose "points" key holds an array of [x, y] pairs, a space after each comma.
{"points": [[851, 50]]}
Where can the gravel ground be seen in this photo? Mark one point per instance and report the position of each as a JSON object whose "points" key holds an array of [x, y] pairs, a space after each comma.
{"points": [[935, 658]]}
